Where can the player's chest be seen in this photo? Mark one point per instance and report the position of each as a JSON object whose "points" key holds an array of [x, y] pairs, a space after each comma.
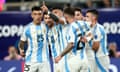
{"points": [[37, 34], [52, 35]]}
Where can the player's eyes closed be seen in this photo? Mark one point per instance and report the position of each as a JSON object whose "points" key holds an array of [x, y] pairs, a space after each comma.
{"points": [[36, 13], [46, 18], [77, 14]]}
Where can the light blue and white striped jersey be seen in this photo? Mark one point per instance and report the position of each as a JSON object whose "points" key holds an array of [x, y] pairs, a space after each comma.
{"points": [[37, 50], [63, 41], [89, 51], [62, 35], [100, 35], [53, 37], [77, 30], [57, 39]]}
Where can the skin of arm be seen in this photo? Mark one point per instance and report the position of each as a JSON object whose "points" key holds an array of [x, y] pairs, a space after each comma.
{"points": [[21, 48], [65, 51], [54, 17]]}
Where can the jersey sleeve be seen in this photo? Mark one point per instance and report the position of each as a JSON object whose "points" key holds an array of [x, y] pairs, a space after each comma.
{"points": [[87, 26], [24, 35], [97, 35]]}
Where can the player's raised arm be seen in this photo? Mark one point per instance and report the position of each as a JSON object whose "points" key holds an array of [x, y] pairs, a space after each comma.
{"points": [[22, 42], [53, 16], [65, 51], [69, 47]]}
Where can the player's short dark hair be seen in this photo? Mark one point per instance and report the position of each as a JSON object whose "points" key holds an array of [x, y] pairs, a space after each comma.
{"points": [[45, 13], [69, 11], [56, 7], [36, 8], [94, 12], [77, 9]]}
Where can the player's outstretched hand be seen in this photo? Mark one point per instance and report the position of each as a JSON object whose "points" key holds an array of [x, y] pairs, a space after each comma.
{"points": [[57, 59], [44, 7], [83, 39]]}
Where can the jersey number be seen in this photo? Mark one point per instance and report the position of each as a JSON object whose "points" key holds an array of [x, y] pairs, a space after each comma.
{"points": [[27, 68], [52, 39], [40, 38]]}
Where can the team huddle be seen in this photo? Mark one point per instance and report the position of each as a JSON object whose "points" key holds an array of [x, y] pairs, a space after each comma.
{"points": [[64, 41]]}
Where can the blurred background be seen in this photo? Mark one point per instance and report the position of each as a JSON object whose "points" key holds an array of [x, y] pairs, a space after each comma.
{"points": [[24, 5], [15, 14]]}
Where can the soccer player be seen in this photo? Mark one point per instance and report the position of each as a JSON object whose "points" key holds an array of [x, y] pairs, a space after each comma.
{"points": [[78, 61], [37, 55], [89, 52], [57, 44], [99, 44], [63, 29], [52, 40], [57, 15]]}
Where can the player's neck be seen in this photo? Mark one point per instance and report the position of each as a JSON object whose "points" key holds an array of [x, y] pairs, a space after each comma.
{"points": [[36, 23], [93, 23], [71, 21]]}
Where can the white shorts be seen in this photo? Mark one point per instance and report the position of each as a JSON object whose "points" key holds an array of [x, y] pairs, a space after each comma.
{"points": [[37, 67], [78, 65], [62, 66], [102, 64], [92, 65], [57, 67]]}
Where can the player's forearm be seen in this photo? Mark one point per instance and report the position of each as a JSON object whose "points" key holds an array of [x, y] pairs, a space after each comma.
{"points": [[55, 18], [21, 45], [67, 49]]}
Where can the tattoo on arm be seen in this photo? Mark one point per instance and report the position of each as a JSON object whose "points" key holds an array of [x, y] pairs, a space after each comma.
{"points": [[67, 49]]}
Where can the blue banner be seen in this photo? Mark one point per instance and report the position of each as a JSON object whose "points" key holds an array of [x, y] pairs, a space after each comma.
{"points": [[11, 66], [18, 66], [115, 65]]}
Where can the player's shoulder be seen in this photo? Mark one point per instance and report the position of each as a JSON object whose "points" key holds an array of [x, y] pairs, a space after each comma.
{"points": [[82, 23], [74, 24], [27, 26], [101, 27]]}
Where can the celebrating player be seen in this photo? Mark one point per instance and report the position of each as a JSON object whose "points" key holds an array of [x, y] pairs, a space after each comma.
{"points": [[99, 43], [37, 55], [78, 60]]}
